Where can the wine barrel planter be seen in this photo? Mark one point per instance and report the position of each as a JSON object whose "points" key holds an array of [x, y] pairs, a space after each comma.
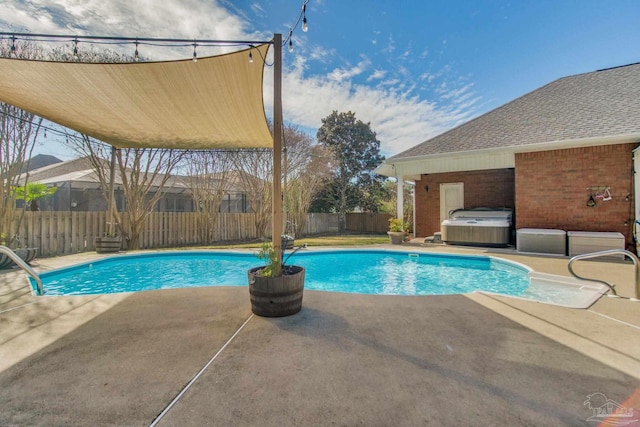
{"points": [[105, 245], [276, 296], [27, 255]]}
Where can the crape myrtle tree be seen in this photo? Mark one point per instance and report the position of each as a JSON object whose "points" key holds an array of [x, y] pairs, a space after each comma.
{"points": [[208, 177], [253, 170], [18, 134], [303, 170], [307, 166], [356, 151], [144, 173]]}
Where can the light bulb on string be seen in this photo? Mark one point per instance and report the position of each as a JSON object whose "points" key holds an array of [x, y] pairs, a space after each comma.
{"points": [[13, 46], [195, 55], [75, 49], [305, 27], [250, 58], [290, 45], [136, 56]]}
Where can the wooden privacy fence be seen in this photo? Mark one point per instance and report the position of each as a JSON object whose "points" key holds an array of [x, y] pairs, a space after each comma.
{"points": [[59, 233], [368, 222]]}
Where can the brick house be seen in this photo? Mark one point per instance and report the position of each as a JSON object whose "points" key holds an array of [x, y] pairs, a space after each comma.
{"points": [[544, 155]]}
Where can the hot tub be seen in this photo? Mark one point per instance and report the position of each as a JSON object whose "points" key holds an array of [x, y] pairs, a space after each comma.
{"points": [[484, 227]]}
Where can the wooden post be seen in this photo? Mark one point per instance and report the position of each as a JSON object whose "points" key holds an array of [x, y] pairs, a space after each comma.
{"points": [[112, 186], [276, 223]]}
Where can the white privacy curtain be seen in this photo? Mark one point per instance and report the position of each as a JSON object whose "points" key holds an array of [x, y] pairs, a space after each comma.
{"points": [[215, 102]]}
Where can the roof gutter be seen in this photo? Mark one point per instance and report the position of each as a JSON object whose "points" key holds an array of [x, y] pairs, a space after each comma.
{"points": [[389, 166]]}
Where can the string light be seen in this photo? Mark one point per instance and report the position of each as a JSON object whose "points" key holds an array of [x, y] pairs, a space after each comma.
{"points": [[302, 17], [137, 41], [305, 27], [250, 58]]}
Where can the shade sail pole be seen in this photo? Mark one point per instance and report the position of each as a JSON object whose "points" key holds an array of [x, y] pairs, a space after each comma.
{"points": [[276, 222], [112, 176]]}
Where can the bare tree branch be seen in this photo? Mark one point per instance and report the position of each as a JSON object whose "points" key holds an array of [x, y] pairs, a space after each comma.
{"points": [[18, 134]]}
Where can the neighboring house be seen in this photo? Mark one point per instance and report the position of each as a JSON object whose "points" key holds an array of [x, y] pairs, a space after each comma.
{"points": [[544, 154], [79, 190], [41, 160]]}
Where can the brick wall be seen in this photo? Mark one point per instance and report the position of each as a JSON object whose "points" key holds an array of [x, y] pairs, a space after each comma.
{"points": [[489, 188], [551, 189]]}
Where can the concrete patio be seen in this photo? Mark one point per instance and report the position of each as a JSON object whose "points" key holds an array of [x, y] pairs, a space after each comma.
{"points": [[199, 357]]}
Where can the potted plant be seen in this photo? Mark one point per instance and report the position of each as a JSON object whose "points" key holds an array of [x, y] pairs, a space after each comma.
{"points": [[398, 229], [275, 295], [110, 242], [26, 254]]}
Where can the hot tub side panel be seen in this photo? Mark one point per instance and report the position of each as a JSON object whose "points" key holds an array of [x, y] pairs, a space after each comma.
{"points": [[473, 234]]}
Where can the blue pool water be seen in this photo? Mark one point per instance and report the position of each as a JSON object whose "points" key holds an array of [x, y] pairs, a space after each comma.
{"points": [[358, 271]]}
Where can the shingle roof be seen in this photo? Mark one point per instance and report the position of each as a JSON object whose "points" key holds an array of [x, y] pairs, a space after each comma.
{"points": [[598, 104]]}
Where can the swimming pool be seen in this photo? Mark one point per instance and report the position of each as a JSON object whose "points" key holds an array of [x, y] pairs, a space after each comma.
{"points": [[353, 271]]}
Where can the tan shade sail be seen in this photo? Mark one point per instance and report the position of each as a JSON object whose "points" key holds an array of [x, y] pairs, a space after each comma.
{"points": [[215, 102]]}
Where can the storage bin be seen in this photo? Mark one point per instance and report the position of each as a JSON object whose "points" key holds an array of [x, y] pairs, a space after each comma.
{"points": [[542, 241], [584, 242]]}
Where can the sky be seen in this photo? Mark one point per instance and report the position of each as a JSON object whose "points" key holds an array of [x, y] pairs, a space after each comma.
{"points": [[412, 69]]}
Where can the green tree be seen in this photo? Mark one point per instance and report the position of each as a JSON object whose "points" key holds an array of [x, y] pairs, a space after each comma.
{"points": [[356, 151], [31, 192]]}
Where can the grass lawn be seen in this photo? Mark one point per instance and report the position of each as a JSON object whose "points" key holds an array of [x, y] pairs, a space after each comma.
{"points": [[342, 240]]}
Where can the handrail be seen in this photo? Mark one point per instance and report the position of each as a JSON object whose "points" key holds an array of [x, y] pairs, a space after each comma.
{"points": [[591, 255], [23, 265]]}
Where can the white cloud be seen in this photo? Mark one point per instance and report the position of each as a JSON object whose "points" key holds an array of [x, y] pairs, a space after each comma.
{"points": [[377, 75], [340, 74], [390, 82], [391, 45], [257, 9], [190, 19], [400, 118]]}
